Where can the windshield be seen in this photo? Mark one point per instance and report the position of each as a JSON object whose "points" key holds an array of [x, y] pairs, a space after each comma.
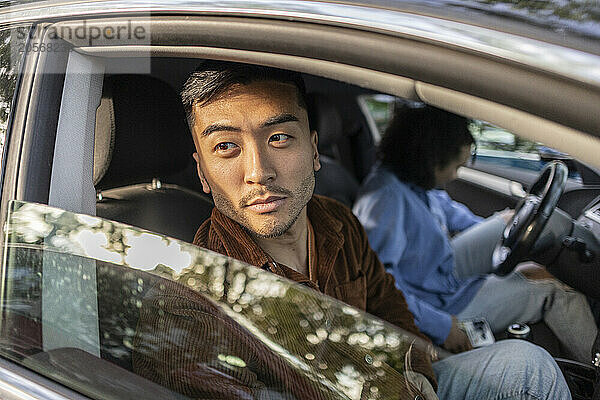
{"points": [[99, 305]]}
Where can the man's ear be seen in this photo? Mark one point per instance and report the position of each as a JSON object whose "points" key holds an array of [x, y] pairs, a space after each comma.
{"points": [[203, 181], [314, 139]]}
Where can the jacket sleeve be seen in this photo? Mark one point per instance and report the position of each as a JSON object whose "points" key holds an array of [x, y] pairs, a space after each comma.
{"points": [[432, 321], [180, 341], [382, 214], [458, 216], [387, 302]]}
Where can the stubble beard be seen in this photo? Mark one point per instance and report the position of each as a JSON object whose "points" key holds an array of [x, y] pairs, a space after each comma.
{"points": [[272, 228]]}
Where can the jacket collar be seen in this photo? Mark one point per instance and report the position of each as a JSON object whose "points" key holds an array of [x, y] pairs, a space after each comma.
{"points": [[328, 237], [236, 240], [239, 244]]}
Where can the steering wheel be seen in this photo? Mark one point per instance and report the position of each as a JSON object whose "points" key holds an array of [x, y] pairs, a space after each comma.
{"points": [[530, 217]]}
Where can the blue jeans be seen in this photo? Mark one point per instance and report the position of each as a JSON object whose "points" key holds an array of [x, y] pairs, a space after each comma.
{"points": [[514, 298], [506, 370]]}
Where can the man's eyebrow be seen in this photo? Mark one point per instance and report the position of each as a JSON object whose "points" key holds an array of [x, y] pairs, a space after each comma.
{"points": [[279, 119], [219, 127]]}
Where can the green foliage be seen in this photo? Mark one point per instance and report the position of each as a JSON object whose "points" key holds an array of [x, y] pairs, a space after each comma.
{"points": [[10, 60], [7, 77], [575, 10]]}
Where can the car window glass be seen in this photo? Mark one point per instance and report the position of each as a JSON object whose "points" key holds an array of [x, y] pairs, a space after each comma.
{"points": [[170, 313], [378, 110], [495, 146], [12, 44]]}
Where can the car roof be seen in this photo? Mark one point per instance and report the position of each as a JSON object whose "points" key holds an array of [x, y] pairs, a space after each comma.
{"points": [[575, 24], [551, 20], [572, 52]]}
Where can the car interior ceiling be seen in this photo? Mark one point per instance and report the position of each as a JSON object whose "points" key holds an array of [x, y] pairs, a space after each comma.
{"points": [[145, 175]]}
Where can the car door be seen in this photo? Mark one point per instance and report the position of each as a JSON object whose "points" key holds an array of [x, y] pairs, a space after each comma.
{"points": [[49, 161]]}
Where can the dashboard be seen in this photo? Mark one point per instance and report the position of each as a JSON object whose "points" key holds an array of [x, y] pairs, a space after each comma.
{"points": [[578, 263], [591, 216]]}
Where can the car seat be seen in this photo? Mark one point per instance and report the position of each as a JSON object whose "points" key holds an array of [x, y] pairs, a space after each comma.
{"points": [[144, 173], [332, 180], [144, 176]]}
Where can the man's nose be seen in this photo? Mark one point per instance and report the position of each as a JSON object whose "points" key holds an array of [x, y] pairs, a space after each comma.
{"points": [[259, 169]]}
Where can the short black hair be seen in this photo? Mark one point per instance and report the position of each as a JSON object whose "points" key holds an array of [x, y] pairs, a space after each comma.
{"points": [[419, 139], [212, 78]]}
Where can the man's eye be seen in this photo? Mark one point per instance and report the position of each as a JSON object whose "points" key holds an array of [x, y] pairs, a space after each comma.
{"points": [[226, 146], [279, 138]]}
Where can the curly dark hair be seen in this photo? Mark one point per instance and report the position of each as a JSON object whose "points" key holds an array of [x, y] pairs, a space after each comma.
{"points": [[419, 139]]}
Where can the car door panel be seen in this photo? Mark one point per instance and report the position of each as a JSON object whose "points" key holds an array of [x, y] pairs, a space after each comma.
{"points": [[484, 193], [491, 188]]}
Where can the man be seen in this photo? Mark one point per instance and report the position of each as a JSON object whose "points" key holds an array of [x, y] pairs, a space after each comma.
{"points": [[256, 156], [409, 221]]}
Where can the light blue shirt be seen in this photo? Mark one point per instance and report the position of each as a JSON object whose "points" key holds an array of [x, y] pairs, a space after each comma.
{"points": [[408, 228]]}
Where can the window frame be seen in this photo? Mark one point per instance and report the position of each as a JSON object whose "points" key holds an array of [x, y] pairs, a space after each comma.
{"points": [[380, 72]]}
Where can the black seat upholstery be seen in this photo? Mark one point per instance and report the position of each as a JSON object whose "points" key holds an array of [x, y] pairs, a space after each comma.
{"points": [[142, 159], [169, 209], [336, 182], [333, 180]]}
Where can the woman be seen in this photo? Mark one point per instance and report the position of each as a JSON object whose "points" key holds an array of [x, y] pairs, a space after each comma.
{"points": [[409, 223]]}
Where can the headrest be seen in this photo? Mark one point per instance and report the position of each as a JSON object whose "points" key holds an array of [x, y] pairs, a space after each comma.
{"points": [[141, 132], [325, 118]]}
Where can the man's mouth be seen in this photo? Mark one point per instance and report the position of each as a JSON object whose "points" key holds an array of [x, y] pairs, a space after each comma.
{"points": [[265, 205]]}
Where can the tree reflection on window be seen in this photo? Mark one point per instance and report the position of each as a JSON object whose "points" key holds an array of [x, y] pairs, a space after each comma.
{"points": [[341, 349]]}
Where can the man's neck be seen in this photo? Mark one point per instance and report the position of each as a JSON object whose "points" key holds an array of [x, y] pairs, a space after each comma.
{"points": [[291, 248]]}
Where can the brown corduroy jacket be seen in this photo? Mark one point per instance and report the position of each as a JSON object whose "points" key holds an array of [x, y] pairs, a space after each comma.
{"points": [[347, 268], [178, 326]]}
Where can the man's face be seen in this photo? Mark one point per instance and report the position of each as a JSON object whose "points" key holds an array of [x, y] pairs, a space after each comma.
{"points": [[257, 155], [448, 172]]}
